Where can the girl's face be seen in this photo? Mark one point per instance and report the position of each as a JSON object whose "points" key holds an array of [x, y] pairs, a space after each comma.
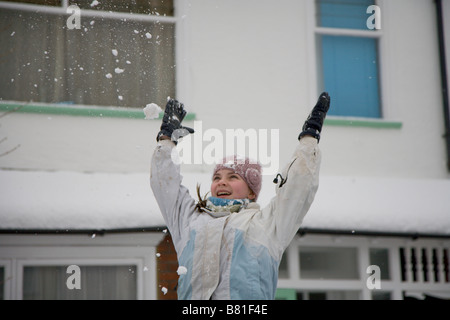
{"points": [[229, 185]]}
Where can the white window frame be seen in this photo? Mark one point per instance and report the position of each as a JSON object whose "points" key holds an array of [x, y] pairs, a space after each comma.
{"points": [[394, 285], [7, 285], [313, 30], [19, 251], [180, 21]]}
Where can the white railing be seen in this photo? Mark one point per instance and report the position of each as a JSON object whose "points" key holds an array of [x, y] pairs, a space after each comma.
{"points": [[425, 264]]}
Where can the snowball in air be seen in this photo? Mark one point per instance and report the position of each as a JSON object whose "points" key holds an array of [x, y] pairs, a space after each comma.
{"points": [[152, 111], [114, 52], [181, 270]]}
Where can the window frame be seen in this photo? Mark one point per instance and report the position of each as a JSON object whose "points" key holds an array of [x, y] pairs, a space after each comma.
{"points": [[315, 66], [7, 285]]}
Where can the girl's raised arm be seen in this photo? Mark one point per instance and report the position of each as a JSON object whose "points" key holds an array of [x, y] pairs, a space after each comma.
{"points": [[174, 200], [298, 182]]}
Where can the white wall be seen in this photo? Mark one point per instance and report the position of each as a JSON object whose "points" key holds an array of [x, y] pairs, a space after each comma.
{"points": [[74, 143], [254, 57], [247, 66]]}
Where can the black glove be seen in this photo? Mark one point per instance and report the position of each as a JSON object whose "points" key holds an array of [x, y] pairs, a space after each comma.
{"points": [[313, 125], [171, 123]]}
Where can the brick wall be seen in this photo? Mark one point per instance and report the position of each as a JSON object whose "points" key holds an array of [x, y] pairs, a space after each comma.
{"points": [[167, 265]]}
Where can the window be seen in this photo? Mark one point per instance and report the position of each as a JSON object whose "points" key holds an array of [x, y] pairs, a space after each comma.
{"points": [[123, 54], [348, 57], [380, 258], [109, 282], [328, 263]]}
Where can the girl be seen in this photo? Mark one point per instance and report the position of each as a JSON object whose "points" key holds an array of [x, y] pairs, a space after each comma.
{"points": [[231, 247]]}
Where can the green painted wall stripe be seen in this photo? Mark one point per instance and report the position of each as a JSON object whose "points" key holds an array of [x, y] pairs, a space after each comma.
{"points": [[285, 294], [132, 113], [365, 123], [72, 110]]}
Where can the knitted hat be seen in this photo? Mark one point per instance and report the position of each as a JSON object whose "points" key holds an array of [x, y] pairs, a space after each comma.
{"points": [[249, 170]]}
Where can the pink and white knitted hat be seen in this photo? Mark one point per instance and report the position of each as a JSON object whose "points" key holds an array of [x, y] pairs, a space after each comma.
{"points": [[249, 170]]}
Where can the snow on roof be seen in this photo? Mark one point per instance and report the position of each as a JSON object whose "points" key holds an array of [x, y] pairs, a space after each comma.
{"points": [[70, 200], [382, 205], [31, 200]]}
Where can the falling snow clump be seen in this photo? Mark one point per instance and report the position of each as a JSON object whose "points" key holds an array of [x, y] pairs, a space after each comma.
{"points": [[118, 70], [152, 111], [181, 270]]}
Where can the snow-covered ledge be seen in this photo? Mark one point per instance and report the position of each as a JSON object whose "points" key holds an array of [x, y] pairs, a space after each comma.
{"points": [[120, 203]]}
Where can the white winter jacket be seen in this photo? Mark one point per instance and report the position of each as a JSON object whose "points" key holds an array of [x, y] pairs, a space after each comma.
{"points": [[234, 256]]}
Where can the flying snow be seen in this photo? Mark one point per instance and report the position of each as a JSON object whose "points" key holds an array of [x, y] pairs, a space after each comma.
{"points": [[152, 111], [181, 270]]}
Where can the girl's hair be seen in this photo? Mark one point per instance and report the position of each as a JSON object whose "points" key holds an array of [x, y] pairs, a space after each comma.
{"points": [[201, 202]]}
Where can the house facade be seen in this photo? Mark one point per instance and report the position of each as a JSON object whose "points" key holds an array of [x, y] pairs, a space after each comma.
{"points": [[78, 219]]}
